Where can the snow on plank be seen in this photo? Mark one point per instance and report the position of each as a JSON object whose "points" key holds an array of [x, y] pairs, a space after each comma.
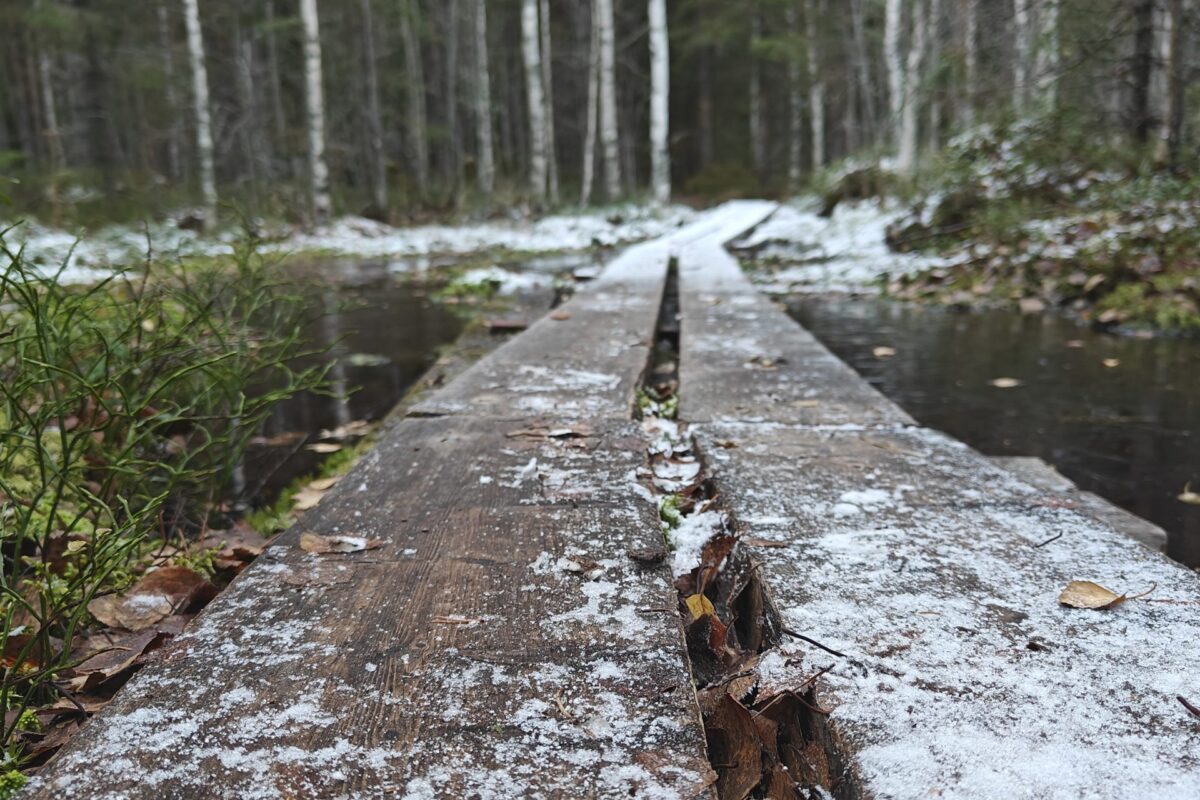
{"points": [[920, 561], [743, 358], [499, 643]]}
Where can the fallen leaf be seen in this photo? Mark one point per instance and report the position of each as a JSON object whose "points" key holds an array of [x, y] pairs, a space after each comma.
{"points": [[351, 430], [1076, 344], [321, 545], [560, 316], [310, 495], [700, 606], [1005, 383], [1111, 362], [323, 448], [1190, 497], [756, 542], [651, 555], [1031, 305], [884, 352], [115, 653], [734, 748], [1085, 594], [158, 595]]}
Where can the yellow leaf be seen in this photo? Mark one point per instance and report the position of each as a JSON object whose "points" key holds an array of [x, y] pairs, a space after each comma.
{"points": [[700, 606], [1085, 594]]}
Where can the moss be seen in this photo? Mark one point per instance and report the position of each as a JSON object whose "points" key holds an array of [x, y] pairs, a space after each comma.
{"points": [[11, 782]]}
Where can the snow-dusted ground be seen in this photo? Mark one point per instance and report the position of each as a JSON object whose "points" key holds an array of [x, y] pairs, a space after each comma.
{"points": [[89, 255], [846, 253]]}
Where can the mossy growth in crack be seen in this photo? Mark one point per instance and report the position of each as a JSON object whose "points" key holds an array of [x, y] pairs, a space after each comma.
{"points": [[764, 743]]}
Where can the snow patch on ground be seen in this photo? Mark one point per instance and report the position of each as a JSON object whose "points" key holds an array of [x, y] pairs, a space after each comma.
{"points": [[846, 252]]}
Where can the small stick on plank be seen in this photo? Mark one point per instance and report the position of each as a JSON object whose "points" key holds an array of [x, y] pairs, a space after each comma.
{"points": [[1195, 712], [1051, 539]]}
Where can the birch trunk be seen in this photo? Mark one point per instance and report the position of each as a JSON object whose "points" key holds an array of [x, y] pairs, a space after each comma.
{"points": [[415, 108], [53, 133], [379, 189], [758, 108], [314, 96], [893, 21], [1047, 54], [204, 140], [933, 56], [548, 85], [610, 130], [660, 103], [971, 61], [592, 121], [907, 157], [1023, 28], [531, 51], [486, 169], [795, 108], [816, 84]]}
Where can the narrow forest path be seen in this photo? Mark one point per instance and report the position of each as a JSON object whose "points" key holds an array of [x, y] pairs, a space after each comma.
{"points": [[512, 632]]}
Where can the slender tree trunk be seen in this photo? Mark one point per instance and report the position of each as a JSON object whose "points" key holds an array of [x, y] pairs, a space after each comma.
{"points": [[893, 22], [51, 130], [173, 110], [548, 84], [704, 109], [610, 129], [660, 102], [455, 153], [1023, 53], [414, 72], [795, 107], [593, 112], [486, 169], [1141, 117], [314, 95], [862, 69], [758, 106], [907, 158], [379, 188], [816, 83], [249, 126], [278, 115], [204, 140], [1171, 127], [531, 50], [934, 56], [971, 61], [1047, 54]]}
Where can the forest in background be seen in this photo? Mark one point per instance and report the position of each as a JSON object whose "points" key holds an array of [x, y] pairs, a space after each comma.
{"points": [[402, 109]]}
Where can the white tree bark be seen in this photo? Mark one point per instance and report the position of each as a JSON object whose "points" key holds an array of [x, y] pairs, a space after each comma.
{"points": [[660, 101], [164, 39], [204, 140], [548, 83], [816, 84], [1023, 30], [893, 21], [795, 107], [971, 61], [610, 130], [531, 51], [1047, 53], [486, 169], [906, 160], [593, 113], [58, 158], [314, 96]]}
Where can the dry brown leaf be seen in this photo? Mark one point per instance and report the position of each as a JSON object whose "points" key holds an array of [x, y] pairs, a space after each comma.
{"points": [[323, 448], [1005, 383], [560, 316], [753, 541], [321, 545], [884, 352], [700, 606], [1076, 344], [1085, 594], [158, 595], [1189, 497]]}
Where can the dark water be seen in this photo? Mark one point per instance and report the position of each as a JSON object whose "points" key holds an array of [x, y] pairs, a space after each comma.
{"points": [[1130, 432], [383, 326]]}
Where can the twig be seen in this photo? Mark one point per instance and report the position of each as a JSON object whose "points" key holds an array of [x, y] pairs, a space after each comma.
{"points": [[815, 643], [1051, 539], [1195, 712]]}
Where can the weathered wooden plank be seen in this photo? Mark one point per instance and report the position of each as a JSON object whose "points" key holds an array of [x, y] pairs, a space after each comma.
{"points": [[500, 643], [929, 568], [743, 358]]}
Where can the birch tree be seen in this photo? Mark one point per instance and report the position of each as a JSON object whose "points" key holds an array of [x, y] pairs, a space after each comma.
{"points": [[591, 123], [58, 158], [795, 106], [610, 136], [379, 189], [893, 19], [415, 106], [204, 140], [1023, 51], [907, 155], [970, 61], [1047, 53], [816, 83], [314, 97], [660, 89], [486, 169], [758, 106], [548, 85], [531, 51]]}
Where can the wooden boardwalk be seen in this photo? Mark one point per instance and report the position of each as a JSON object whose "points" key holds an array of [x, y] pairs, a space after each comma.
{"points": [[501, 642]]}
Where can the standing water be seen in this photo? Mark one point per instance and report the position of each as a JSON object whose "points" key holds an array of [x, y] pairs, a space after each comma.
{"points": [[1118, 416]]}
